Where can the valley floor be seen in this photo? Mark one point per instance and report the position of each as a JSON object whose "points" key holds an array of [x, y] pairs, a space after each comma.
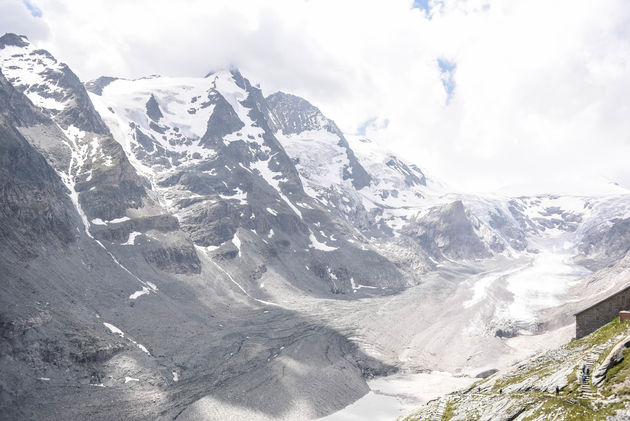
{"points": [[463, 320]]}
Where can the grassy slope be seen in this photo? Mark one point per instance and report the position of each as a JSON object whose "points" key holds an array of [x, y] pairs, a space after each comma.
{"points": [[538, 405]]}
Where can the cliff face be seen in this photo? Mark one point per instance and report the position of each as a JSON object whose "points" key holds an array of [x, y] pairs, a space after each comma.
{"points": [[34, 206]]}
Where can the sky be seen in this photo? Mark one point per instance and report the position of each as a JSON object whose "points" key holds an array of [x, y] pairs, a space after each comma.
{"points": [[486, 95]]}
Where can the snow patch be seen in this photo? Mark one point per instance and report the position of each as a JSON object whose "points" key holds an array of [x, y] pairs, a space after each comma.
{"points": [[119, 332], [239, 195], [114, 329], [357, 287], [132, 238], [237, 242], [274, 179], [118, 220], [319, 246], [137, 294]]}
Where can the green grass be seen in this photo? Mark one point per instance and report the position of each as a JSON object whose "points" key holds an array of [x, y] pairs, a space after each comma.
{"points": [[574, 409], [536, 371], [573, 386], [617, 375], [619, 372], [449, 411], [567, 405], [600, 336]]}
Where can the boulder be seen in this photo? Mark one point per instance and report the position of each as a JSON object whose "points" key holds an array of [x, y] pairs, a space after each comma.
{"points": [[614, 357]]}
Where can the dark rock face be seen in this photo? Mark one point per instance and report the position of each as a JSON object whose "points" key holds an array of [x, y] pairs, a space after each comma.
{"points": [[172, 258], [33, 205], [16, 108], [486, 374], [292, 114], [82, 114], [96, 86], [604, 244], [222, 122], [153, 109], [42, 324], [512, 233], [111, 201], [446, 231], [413, 174], [13, 39]]}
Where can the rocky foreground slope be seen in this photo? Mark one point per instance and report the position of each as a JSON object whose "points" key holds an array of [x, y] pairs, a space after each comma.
{"points": [[550, 386]]}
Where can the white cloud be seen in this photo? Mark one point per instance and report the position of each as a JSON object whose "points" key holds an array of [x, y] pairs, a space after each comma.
{"points": [[16, 17], [541, 88]]}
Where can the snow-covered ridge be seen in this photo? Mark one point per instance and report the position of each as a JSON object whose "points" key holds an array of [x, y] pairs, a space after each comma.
{"points": [[397, 196], [183, 102], [184, 106], [400, 194], [395, 182], [29, 69], [320, 159]]}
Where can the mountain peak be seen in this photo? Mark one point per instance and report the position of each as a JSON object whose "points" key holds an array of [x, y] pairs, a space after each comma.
{"points": [[153, 109], [294, 114], [14, 40], [281, 94], [97, 85], [232, 69]]}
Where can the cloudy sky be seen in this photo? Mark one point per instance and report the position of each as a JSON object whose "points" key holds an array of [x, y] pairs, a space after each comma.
{"points": [[483, 94]]}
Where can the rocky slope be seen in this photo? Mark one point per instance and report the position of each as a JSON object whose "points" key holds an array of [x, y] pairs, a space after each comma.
{"points": [[604, 243], [106, 294], [550, 385]]}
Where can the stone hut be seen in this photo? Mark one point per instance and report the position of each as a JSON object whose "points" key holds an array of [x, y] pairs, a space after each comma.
{"points": [[592, 318]]}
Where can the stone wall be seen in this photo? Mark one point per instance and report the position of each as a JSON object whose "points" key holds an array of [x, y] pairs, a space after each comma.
{"points": [[601, 313]]}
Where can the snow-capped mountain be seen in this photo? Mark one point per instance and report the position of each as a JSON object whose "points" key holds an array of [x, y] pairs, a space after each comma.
{"points": [[399, 207], [213, 162], [195, 245]]}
